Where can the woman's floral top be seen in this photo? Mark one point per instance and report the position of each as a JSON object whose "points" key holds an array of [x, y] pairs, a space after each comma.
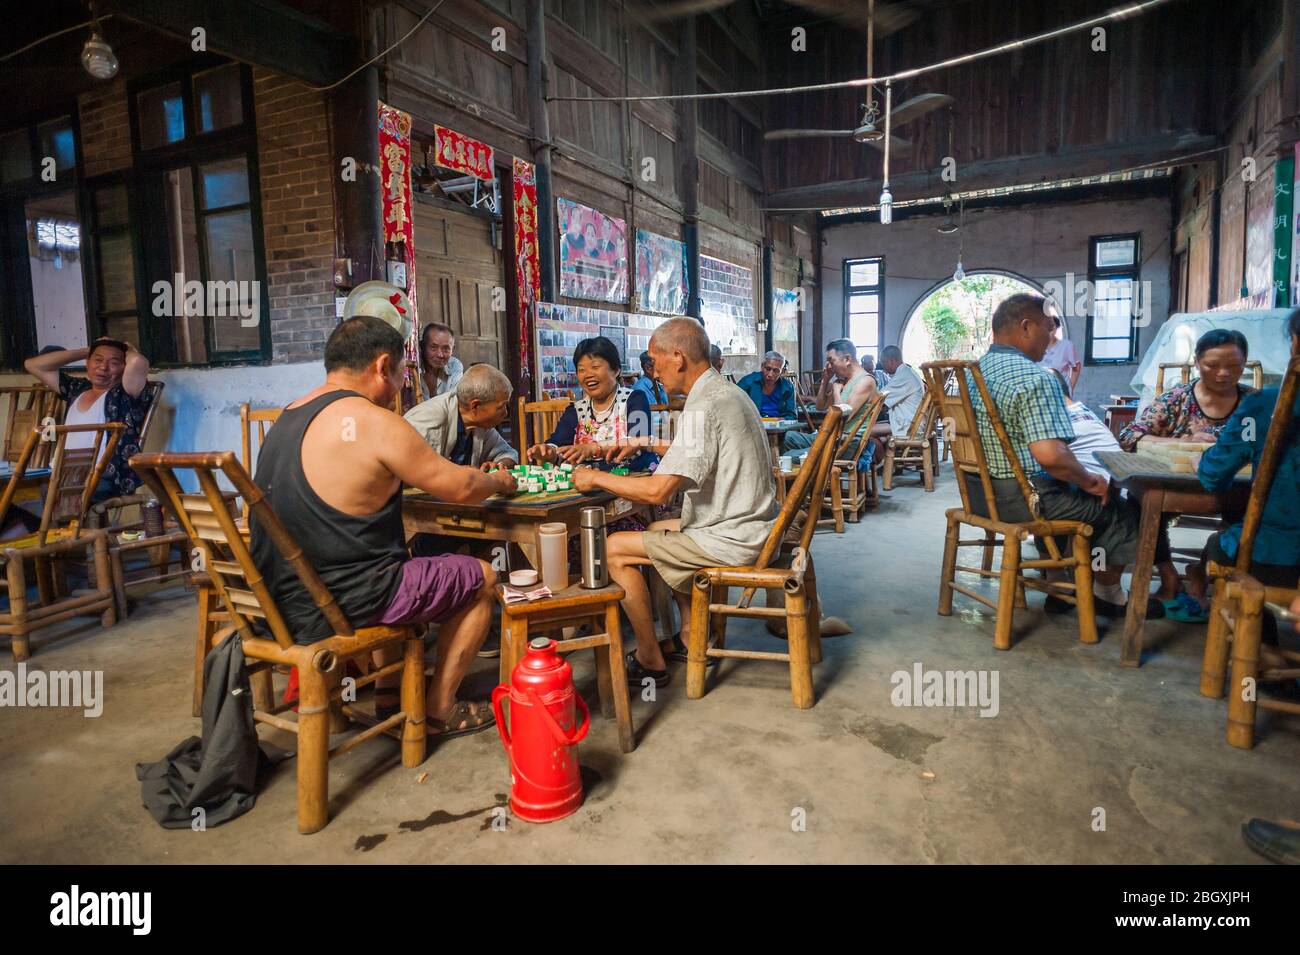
{"points": [[1176, 414]]}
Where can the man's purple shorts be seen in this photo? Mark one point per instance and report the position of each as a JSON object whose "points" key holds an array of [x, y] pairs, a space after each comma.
{"points": [[433, 588]]}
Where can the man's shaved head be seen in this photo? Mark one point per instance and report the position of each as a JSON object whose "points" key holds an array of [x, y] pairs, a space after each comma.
{"points": [[685, 335]]}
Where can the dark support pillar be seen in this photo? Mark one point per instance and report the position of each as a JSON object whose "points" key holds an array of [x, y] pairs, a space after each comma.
{"points": [[354, 114], [689, 163], [767, 296], [818, 351], [539, 76], [1290, 131]]}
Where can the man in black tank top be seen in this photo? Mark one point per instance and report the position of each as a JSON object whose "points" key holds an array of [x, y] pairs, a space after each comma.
{"points": [[333, 467]]}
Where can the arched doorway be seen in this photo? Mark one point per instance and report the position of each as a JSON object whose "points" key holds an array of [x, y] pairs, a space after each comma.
{"points": [[953, 319]]}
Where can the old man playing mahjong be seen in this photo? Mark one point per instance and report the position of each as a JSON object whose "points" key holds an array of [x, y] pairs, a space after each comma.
{"points": [[720, 460]]}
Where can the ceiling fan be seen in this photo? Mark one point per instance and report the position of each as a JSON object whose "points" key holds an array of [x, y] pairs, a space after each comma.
{"points": [[871, 130]]}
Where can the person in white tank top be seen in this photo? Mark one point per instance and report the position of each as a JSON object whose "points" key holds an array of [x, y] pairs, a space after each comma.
{"points": [[112, 391]]}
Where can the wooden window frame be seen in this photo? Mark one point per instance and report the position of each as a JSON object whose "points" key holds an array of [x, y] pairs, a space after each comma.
{"points": [[194, 150], [1133, 272], [851, 290]]}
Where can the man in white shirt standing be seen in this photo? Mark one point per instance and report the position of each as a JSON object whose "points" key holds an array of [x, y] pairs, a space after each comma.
{"points": [[440, 371], [720, 460], [905, 392]]}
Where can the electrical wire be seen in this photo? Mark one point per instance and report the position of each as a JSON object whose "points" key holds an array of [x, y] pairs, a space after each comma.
{"points": [[1119, 13], [374, 59], [80, 26]]}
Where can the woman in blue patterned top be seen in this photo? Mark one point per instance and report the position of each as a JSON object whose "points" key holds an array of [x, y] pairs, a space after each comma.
{"points": [[113, 390]]}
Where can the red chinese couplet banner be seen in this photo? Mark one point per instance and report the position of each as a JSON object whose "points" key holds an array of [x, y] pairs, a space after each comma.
{"points": [[399, 223], [456, 151], [528, 272]]}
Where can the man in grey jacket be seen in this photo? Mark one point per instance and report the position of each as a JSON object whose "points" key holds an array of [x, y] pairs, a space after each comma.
{"points": [[461, 425]]}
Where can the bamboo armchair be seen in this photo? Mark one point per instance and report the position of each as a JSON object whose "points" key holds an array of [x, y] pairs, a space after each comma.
{"points": [[918, 449], [25, 409], [1236, 613], [971, 466], [61, 536], [1185, 369], [849, 488], [779, 567], [544, 416], [208, 521]]}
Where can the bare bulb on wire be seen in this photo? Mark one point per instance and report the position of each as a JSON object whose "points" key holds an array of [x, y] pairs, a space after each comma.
{"points": [[886, 206], [958, 273]]}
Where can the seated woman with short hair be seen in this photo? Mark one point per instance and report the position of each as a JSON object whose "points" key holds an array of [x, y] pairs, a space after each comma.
{"points": [[1194, 410], [606, 414]]}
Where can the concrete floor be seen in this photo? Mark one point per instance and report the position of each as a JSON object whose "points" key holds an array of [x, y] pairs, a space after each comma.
{"points": [[723, 778]]}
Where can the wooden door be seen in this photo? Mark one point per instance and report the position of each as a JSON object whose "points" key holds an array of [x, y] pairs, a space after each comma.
{"points": [[457, 268]]}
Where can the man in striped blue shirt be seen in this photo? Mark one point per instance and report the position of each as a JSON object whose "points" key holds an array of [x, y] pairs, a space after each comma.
{"points": [[1032, 408]]}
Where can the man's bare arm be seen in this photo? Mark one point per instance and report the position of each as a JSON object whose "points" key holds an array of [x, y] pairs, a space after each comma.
{"points": [[46, 367], [1059, 461], [656, 489], [403, 452], [136, 374]]}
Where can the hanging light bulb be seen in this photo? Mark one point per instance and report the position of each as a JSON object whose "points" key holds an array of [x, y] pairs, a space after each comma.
{"points": [[98, 58], [886, 197], [959, 273]]}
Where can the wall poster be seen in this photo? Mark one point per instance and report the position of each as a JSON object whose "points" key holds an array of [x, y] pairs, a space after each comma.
{"points": [[559, 328], [593, 253], [661, 280], [727, 306]]}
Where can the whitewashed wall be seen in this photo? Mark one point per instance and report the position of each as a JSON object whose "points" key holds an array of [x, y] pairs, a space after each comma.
{"points": [[1039, 242], [200, 409]]}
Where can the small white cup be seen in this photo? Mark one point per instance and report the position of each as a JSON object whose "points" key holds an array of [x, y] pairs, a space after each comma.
{"points": [[786, 463], [523, 578]]}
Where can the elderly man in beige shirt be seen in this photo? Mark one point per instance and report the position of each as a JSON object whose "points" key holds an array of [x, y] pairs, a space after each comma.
{"points": [[720, 461]]}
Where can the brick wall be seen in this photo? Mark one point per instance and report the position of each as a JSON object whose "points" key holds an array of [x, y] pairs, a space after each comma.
{"points": [[297, 214], [105, 129]]}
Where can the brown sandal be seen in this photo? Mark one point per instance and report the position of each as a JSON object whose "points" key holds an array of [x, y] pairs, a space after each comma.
{"points": [[465, 718]]}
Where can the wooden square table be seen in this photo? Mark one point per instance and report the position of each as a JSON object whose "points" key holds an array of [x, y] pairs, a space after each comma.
{"points": [[1161, 491], [506, 520]]}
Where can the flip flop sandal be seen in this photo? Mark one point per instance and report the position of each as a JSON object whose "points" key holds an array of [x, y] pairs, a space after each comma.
{"points": [[1185, 609], [678, 653], [462, 712]]}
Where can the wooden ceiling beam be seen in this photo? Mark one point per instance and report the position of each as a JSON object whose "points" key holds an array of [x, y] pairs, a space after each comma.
{"points": [[994, 173]]}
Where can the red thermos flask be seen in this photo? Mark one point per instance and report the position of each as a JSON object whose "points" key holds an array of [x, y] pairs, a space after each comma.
{"points": [[542, 741]]}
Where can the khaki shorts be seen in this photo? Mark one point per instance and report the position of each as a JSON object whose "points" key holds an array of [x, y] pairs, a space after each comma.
{"points": [[676, 557]]}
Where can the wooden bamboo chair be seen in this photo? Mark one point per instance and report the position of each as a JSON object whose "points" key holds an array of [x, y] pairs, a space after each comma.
{"points": [[918, 449], [26, 408], [1236, 611], [208, 521], [971, 465], [811, 381], [851, 488], [783, 567], [61, 535], [544, 417], [1186, 369]]}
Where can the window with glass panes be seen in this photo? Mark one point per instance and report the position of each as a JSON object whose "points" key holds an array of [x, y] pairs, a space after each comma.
{"points": [[864, 303], [1113, 271], [200, 216]]}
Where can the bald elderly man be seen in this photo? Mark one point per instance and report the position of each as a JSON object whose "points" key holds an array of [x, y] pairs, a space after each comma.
{"points": [[461, 424], [720, 461]]}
